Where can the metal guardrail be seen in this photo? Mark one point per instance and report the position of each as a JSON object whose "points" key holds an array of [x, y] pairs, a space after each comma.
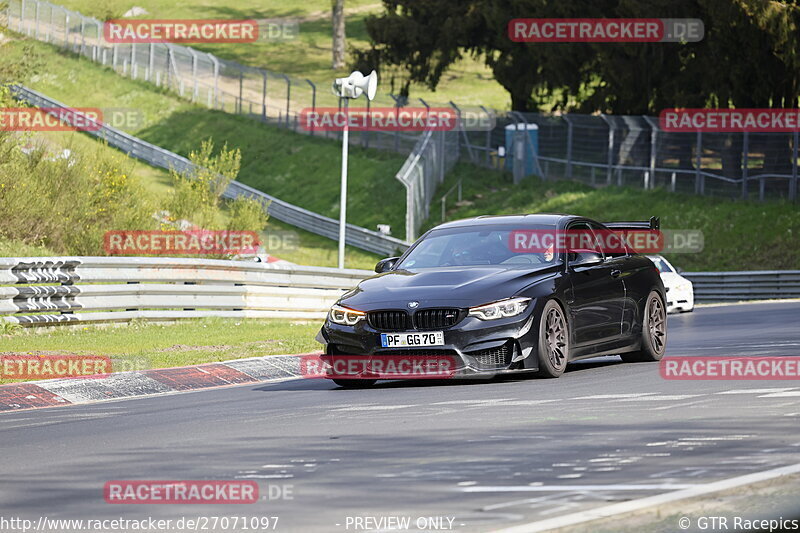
{"points": [[63, 290], [371, 241], [745, 285], [46, 291]]}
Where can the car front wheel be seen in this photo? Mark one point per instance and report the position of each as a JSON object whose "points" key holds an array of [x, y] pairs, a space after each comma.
{"points": [[553, 341]]}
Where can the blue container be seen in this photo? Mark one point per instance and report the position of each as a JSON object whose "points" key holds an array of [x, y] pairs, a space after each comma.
{"points": [[531, 147]]}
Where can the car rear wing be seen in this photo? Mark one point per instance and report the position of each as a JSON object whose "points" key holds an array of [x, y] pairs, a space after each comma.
{"points": [[654, 224]]}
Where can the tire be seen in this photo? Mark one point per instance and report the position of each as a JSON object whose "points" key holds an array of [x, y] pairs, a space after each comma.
{"points": [[355, 383], [553, 341], [654, 332]]}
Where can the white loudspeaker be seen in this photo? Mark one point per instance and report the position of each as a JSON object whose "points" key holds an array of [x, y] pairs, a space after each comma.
{"points": [[356, 84]]}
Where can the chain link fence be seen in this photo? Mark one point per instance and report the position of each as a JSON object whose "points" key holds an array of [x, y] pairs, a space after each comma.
{"points": [[634, 151]]}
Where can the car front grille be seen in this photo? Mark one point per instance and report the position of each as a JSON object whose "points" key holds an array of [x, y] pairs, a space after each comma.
{"points": [[493, 357], [436, 318], [389, 320], [399, 320]]}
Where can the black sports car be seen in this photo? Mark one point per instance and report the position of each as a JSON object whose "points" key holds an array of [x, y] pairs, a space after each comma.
{"points": [[463, 290]]}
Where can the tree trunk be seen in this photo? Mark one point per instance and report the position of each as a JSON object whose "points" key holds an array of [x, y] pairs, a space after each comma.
{"points": [[338, 33]]}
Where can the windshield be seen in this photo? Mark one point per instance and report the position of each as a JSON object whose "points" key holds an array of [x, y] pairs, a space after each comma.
{"points": [[661, 264], [475, 245]]}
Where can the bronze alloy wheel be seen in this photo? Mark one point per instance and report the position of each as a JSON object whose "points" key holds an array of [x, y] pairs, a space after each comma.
{"points": [[556, 338], [657, 325]]}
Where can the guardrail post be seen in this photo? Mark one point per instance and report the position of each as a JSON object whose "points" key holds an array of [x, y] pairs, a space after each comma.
{"points": [[241, 88], [169, 69], [699, 186], [745, 162], [216, 80], [610, 158], [462, 132], [264, 95], [194, 73], [568, 173], [36, 31], [150, 62], [47, 30], [99, 49], [793, 182], [314, 100], [288, 96], [488, 147]]}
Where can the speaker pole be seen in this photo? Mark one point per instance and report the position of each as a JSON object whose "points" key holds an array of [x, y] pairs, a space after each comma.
{"points": [[343, 198]]}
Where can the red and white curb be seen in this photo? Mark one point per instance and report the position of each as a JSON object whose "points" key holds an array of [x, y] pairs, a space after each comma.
{"points": [[70, 391]]}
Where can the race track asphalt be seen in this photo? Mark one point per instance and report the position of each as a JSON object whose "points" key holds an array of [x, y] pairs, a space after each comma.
{"points": [[487, 454]]}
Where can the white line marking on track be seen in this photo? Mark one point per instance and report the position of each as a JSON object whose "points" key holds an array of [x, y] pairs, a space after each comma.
{"points": [[687, 404], [662, 397], [578, 488], [614, 396], [781, 394], [754, 391], [374, 407], [652, 501]]}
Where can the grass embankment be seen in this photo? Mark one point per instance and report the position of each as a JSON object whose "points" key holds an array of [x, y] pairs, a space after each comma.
{"points": [[468, 82], [739, 235], [269, 155], [294, 167], [141, 345]]}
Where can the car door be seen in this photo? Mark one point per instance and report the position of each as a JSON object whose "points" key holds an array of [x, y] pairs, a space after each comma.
{"points": [[596, 298], [619, 261]]}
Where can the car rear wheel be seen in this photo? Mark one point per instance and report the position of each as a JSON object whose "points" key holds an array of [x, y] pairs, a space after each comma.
{"points": [[654, 332], [355, 383], [553, 341]]}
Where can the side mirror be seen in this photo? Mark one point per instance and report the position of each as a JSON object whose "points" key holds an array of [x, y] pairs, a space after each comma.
{"points": [[679, 270], [585, 258], [385, 265]]}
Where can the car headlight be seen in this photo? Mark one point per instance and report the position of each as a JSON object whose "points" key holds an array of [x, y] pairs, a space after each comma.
{"points": [[684, 286], [500, 309], [345, 316]]}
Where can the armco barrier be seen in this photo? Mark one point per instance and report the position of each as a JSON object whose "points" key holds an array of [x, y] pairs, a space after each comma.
{"points": [[746, 285], [41, 291], [371, 241], [61, 290]]}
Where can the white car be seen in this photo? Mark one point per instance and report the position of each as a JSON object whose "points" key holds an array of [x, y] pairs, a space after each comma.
{"points": [[680, 292]]}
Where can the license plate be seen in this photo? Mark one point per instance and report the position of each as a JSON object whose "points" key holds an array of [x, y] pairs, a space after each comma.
{"points": [[405, 340]]}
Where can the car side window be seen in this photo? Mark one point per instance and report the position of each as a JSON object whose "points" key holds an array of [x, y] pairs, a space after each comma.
{"points": [[611, 253], [592, 246]]}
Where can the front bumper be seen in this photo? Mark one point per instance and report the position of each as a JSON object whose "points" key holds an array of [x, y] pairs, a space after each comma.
{"points": [[680, 300], [479, 347]]}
